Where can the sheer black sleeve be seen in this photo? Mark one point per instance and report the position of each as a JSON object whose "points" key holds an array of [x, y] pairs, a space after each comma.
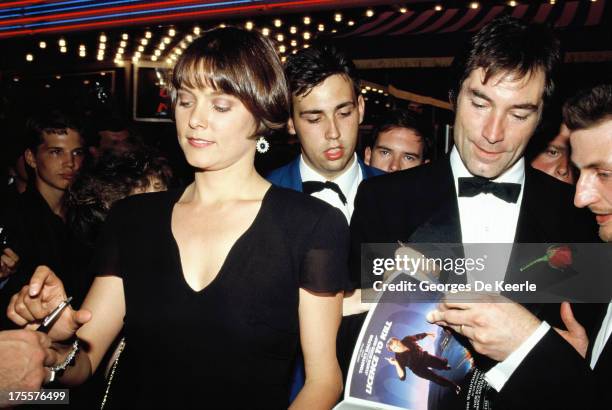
{"points": [[325, 263]]}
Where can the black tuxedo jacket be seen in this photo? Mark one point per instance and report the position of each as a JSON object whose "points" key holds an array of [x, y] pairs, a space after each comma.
{"points": [[420, 205], [554, 376]]}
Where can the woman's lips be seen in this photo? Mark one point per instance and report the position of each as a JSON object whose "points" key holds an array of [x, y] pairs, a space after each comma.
{"points": [[199, 143], [333, 154]]}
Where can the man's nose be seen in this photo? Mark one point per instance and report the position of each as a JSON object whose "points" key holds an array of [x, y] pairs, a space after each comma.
{"points": [[586, 193], [493, 130]]}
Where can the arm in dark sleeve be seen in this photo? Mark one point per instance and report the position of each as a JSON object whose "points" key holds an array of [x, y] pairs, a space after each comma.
{"points": [[324, 268], [552, 376]]}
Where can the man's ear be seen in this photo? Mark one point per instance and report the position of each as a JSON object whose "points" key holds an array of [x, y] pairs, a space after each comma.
{"points": [[291, 127], [367, 156], [29, 158], [361, 107]]}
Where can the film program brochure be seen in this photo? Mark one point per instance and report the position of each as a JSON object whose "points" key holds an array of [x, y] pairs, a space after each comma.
{"points": [[401, 361]]}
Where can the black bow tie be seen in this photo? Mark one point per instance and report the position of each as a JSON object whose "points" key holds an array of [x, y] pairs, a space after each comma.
{"points": [[473, 186], [310, 187]]}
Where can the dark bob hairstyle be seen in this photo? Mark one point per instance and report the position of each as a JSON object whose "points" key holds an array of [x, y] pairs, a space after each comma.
{"points": [[240, 63]]}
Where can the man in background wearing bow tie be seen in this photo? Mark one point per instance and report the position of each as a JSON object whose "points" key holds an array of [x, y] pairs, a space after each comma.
{"points": [[326, 110], [483, 192]]}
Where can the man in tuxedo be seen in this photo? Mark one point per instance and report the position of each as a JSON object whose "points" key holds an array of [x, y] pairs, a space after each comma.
{"points": [[326, 110], [482, 193], [548, 372]]}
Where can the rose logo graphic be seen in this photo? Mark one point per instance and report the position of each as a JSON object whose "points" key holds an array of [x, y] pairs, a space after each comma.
{"points": [[558, 257]]}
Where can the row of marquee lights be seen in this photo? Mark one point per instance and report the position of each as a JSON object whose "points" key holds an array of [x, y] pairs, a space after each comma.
{"points": [[172, 56], [157, 54]]}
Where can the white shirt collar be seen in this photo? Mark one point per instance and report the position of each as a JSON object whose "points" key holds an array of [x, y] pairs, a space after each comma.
{"points": [[345, 180], [516, 174]]}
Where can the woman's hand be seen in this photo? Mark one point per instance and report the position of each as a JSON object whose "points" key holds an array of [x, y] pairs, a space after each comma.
{"points": [[37, 299]]}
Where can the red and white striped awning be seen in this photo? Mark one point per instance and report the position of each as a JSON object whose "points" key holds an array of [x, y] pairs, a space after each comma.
{"points": [[567, 14]]}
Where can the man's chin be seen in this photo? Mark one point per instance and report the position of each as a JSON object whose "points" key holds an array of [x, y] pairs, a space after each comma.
{"points": [[605, 233]]}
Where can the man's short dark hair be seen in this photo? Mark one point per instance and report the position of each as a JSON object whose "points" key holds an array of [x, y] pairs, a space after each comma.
{"points": [[588, 107], [311, 66], [53, 121], [508, 45], [404, 119]]}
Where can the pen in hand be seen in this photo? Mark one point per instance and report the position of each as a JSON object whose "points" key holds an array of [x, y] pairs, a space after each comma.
{"points": [[49, 320]]}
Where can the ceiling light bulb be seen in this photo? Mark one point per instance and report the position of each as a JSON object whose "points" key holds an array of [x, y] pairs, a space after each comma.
{"points": [[265, 31], [248, 25], [42, 44], [403, 10], [196, 30], [369, 12], [29, 57], [438, 7], [474, 5], [171, 32], [280, 37], [351, 23], [321, 27], [102, 38], [338, 17], [293, 29], [62, 42], [148, 34], [278, 23], [102, 46], [63, 49], [167, 40], [306, 35], [282, 49], [307, 20], [140, 48]]}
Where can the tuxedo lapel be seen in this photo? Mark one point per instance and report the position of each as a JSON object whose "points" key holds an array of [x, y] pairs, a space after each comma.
{"points": [[443, 224]]}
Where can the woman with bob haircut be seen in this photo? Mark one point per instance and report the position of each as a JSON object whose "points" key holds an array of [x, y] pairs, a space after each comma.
{"points": [[214, 284]]}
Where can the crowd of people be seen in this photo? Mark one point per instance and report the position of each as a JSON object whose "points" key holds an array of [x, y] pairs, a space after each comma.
{"points": [[244, 290]]}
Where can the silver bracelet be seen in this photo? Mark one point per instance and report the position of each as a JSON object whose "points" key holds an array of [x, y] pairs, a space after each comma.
{"points": [[58, 370]]}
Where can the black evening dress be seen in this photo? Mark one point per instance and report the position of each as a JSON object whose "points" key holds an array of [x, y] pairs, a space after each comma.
{"points": [[233, 343]]}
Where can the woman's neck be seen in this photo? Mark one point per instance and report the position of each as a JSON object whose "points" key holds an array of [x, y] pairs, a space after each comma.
{"points": [[228, 184]]}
